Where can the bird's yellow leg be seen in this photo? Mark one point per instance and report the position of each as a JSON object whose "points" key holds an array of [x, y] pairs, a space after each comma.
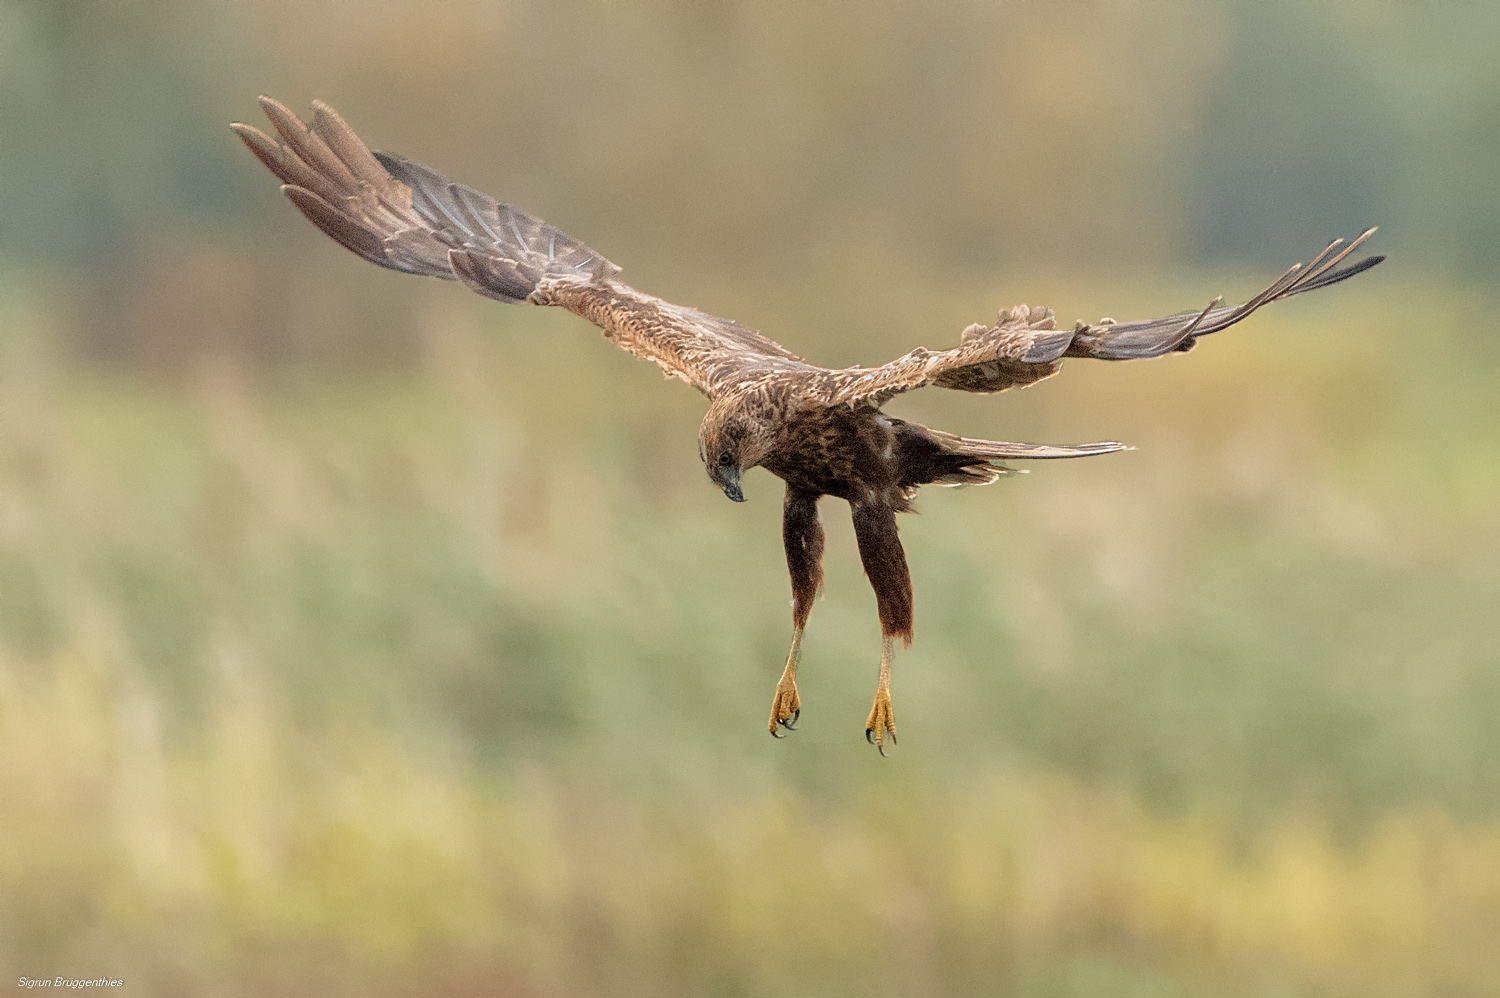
{"points": [[882, 720], [786, 705]]}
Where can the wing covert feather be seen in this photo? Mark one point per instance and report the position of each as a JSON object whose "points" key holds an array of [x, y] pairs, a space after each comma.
{"points": [[1021, 348]]}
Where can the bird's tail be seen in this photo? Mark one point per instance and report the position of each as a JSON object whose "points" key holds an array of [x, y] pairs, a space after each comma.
{"points": [[966, 461], [408, 217], [938, 456]]}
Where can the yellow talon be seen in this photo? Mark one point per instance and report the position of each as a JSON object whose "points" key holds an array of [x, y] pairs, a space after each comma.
{"points": [[882, 719], [786, 706]]}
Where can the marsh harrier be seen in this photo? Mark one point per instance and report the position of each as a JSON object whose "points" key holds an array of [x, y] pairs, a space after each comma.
{"points": [[820, 430]]}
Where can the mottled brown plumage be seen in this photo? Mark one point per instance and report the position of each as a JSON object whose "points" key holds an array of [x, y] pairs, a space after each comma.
{"points": [[820, 430]]}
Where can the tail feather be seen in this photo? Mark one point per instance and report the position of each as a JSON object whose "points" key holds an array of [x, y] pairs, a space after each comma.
{"points": [[979, 458], [1000, 450], [931, 456], [975, 474]]}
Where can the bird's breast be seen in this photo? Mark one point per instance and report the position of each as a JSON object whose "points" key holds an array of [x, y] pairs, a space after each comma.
{"points": [[838, 452]]}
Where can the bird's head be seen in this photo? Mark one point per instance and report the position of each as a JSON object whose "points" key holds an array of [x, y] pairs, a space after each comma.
{"points": [[731, 441]]}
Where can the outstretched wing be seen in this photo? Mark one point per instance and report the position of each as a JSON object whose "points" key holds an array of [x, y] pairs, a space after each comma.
{"points": [[1110, 340], [408, 217], [1024, 345]]}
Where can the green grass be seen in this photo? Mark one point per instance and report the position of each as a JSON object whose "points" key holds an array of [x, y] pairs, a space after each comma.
{"points": [[455, 681]]}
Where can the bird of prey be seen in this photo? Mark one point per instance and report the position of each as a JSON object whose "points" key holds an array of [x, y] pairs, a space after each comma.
{"points": [[820, 430]]}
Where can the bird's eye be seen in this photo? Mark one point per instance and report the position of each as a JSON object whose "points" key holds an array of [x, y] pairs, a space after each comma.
{"points": [[725, 460]]}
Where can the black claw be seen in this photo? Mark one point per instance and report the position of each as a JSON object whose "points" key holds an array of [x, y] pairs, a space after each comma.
{"points": [[870, 735], [881, 749], [776, 734], [796, 714], [893, 738]]}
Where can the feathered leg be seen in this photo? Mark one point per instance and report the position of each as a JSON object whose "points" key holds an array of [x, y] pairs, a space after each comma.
{"points": [[803, 536], [885, 564]]}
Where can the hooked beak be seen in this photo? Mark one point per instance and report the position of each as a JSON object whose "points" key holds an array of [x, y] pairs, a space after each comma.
{"points": [[731, 485]]}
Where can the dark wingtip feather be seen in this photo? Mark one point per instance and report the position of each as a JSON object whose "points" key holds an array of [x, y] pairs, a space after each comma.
{"points": [[1336, 276], [266, 149], [286, 121], [1153, 337], [285, 164], [351, 151], [338, 225], [308, 145], [406, 216]]}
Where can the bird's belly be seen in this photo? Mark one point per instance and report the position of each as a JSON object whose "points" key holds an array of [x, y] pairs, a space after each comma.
{"points": [[810, 473], [841, 457]]}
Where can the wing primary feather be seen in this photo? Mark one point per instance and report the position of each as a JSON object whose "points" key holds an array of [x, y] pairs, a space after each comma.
{"points": [[308, 145], [1335, 261], [354, 154], [271, 153], [1153, 337], [1317, 261], [285, 164], [1339, 275], [1187, 331], [342, 227]]}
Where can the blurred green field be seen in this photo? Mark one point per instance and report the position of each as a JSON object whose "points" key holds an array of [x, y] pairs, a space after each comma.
{"points": [[454, 681]]}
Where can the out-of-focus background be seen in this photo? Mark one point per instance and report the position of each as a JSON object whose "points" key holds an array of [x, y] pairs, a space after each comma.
{"points": [[359, 636]]}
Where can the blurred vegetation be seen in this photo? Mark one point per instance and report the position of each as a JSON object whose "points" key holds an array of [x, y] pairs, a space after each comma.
{"points": [[360, 636]]}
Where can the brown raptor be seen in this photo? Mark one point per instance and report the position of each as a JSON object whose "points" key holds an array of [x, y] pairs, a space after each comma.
{"points": [[819, 430]]}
